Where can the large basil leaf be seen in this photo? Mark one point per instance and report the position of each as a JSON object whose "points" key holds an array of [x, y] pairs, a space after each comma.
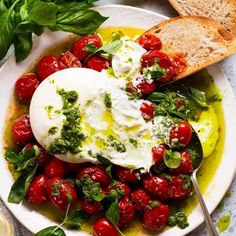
{"points": [[112, 213], [21, 185], [23, 45], [2, 6], [51, 231]]}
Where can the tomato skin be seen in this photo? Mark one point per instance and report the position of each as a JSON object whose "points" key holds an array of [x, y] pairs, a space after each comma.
{"points": [[147, 110], [91, 207], [156, 218], [96, 173], [185, 166], [140, 199], [48, 65], [37, 190], [182, 133], [26, 85], [104, 228], [119, 187], [156, 186], [126, 175], [150, 42], [69, 60], [60, 192], [178, 62], [98, 63], [55, 168], [21, 130], [79, 47], [158, 153], [126, 212], [177, 189], [147, 88]]}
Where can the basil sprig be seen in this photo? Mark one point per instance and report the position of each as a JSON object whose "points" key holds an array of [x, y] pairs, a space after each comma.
{"points": [[21, 18]]}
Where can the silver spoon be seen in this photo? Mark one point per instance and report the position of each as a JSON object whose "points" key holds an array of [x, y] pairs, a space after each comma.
{"points": [[196, 165]]}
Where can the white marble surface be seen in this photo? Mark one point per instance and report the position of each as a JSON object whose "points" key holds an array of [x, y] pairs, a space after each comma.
{"points": [[229, 68]]}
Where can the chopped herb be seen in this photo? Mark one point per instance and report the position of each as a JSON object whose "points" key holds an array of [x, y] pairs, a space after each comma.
{"points": [[107, 100], [187, 181], [91, 48], [152, 204], [90, 153], [68, 97], [155, 72], [214, 98], [134, 142], [116, 144], [179, 219], [52, 130]]}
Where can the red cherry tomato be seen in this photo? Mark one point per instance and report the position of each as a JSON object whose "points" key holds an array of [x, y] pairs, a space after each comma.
{"points": [[147, 110], [150, 58], [21, 130], [179, 186], [126, 175], [61, 193], [150, 42], [96, 173], [158, 153], [26, 85], [55, 168], [98, 63], [178, 62], [91, 207], [126, 212], [48, 65], [122, 189], [140, 199], [185, 166], [79, 48], [181, 134], [156, 217], [69, 60], [146, 87], [156, 186], [37, 190], [104, 228]]}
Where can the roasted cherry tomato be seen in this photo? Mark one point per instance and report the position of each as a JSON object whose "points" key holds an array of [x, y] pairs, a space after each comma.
{"points": [[180, 135], [98, 63], [185, 166], [147, 110], [155, 216], [61, 193], [55, 168], [126, 212], [91, 207], [126, 175], [104, 228], [150, 58], [48, 65], [122, 189], [26, 85], [158, 153], [97, 173], [156, 186], [178, 62], [140, 199], [79, 48], [37, 190], [179, 186], [69, 60], [146, 87], [21, 130], [150, 42]]}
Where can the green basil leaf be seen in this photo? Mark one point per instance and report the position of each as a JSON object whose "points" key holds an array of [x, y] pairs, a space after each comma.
{"points": [[51, 231], [23, 45], [91, 48], [7, 27], [104, 161], [21, 185], [2, 6], [172, 159], [79, 22], [111, 47], [77, 219], [28, 26], [197, 96], [157, 97], [112, 214], [44, 14]]}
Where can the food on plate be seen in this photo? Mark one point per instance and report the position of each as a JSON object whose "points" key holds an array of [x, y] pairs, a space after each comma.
{"points": [[202, 41], [103, 141], [222, 11]]}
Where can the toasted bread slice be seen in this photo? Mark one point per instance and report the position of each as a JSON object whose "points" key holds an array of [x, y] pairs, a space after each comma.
{"points": [[202, 41], [223, 11]]}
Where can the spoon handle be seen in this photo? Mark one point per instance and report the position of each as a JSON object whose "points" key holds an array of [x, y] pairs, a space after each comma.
{"points": [[211, 227]]}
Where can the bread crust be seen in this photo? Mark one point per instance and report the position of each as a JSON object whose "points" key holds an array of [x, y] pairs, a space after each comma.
{"points": [[195, 36]]}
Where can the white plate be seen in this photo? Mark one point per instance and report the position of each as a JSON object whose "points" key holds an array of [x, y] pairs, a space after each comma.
{"points": [[119, 16]]}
